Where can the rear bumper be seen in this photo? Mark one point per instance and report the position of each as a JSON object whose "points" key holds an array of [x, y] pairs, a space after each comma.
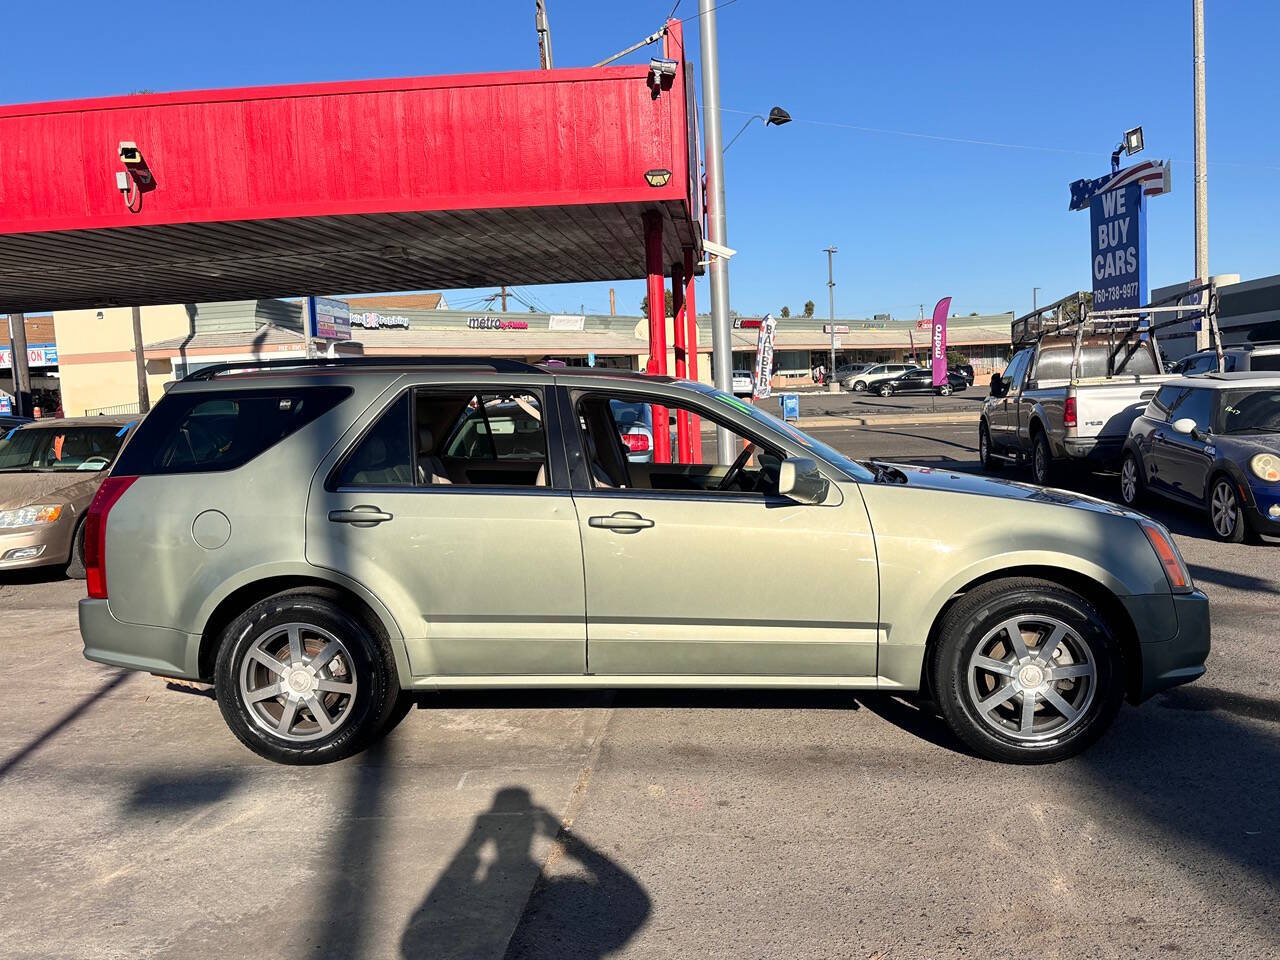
{"points": [[1170, 659], [170, 653], [1095, 449]]}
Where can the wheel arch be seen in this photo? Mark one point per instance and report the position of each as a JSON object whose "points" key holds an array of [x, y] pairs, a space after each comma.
{"points": [[1107, 602], [241, 597]]}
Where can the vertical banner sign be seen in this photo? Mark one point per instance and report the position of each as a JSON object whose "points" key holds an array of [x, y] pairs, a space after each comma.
{"points": [[938, 348], [764, 356], [1118, 231]]}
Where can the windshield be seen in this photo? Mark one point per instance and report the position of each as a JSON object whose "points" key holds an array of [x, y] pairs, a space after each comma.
{"points": [[43, 449], [772, 423], [1251, 411]]}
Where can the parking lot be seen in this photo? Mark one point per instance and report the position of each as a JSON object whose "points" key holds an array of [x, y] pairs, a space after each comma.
{"points": [[718, 824]]}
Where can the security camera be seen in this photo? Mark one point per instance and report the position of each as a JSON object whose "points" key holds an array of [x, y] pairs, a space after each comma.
{"points": [[661, 70], [129, 152], [718, 250]]}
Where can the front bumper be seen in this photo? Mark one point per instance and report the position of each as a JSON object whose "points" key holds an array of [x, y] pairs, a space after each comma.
{"points": [[1260, 500], [1173, 635], [170, 653], [51, 544]]}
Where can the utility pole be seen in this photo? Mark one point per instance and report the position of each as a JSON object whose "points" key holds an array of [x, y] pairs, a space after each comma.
{"points": [[140, 362], [831, 304], [613, 302], [1202, 172], [503, 294], [544, 37], [18, 365], [717, 229]]}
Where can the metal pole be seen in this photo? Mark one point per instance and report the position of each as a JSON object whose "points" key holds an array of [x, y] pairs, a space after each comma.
{"points": [[140, 362], [23, 406], [831, 297], [1202, 173], [306, 327], [1034, 291], [657, 290], [544, 36], [691, 347], [717, 230]]}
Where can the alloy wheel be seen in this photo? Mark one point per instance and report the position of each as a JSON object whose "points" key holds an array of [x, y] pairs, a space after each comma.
{"points": [[1032, 678], [1129, 480], [1224, 509], [984, 450], [945, 390], [297, 682]]}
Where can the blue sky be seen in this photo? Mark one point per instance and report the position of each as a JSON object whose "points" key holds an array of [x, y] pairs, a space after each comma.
{"points": [[915, 217]]}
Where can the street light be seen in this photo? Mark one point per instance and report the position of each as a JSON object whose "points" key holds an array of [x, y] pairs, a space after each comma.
{"points": [[831, 297], [777, 117], [1131, 144]]}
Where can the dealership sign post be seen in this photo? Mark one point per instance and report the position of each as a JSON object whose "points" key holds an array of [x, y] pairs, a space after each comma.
{"points": [[938, 345], [1118, 231]]}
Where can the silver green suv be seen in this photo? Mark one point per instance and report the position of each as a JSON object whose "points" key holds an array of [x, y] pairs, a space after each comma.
{"points": [[329, 542]]}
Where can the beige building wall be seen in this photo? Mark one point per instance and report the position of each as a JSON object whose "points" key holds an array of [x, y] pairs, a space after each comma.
{"points": [[95, 354]]}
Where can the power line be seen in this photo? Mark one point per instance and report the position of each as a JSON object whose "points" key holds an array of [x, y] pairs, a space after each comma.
{"points": [[695, 16], [974, 141]]}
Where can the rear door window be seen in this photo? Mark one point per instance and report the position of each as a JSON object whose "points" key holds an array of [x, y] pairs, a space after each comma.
{"points": [[221, 430], [1270, 361]]}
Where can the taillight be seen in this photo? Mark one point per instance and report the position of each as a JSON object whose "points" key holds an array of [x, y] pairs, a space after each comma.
{"points": [[1069, 413], [95, 533], [636, 442]]}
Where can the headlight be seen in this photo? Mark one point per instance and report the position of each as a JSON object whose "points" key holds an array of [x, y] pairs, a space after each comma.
{"points": [[31, 516], [1175, 569], [1266, 466]]}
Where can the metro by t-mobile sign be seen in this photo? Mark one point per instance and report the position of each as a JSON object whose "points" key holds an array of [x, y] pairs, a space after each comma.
{"points": [[938, 347], [1118, 231]]}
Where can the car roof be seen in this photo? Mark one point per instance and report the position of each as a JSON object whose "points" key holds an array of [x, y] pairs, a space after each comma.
{"points": [[1229, 381]]}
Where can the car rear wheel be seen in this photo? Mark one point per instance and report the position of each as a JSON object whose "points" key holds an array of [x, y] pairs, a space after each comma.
{"points": [[1226, 516], [859, 386], [300, 680], [1027, 671], [1130, 481]]}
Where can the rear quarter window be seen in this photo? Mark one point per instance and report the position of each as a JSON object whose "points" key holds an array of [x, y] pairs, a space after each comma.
{"points": [[222, 430]]}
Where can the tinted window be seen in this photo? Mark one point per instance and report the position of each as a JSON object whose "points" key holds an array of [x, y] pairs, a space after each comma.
{"points": [[1198, 365], [1158, 408], [1196, 404], [1013, 375], [383, 457], [1250, 411], [1270, 361], [221, 430]]}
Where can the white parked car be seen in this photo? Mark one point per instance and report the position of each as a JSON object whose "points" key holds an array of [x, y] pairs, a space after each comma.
{"points": [[744, 383], [881, 371]]}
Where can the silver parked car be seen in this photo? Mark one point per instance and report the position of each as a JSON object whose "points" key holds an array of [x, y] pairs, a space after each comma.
{"points": [[328, 542]]}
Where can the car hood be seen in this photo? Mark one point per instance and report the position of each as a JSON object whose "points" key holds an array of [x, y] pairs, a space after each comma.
{"points": [[1242, 446], [25, 489], [931, 478]]}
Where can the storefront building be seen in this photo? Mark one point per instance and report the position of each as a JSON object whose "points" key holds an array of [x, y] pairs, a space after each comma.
{"points": [[42, 365]]}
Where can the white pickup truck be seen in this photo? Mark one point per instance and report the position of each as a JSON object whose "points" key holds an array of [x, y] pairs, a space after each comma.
{"points": [[1052, 406]]}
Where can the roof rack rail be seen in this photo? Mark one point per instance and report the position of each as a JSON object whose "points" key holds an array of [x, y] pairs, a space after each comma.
{"points": [[494, 364]]}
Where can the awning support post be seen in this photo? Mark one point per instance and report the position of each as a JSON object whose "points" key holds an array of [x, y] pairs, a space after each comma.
{"points": [[657, 364], [681, 334], [691, 349]]}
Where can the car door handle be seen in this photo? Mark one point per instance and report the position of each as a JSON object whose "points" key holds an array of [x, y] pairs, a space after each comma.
{"points": [[626, 522], [362, 514]]}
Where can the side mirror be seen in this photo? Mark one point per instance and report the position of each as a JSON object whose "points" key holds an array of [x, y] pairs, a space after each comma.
{"points": [[1186, 426], [997, 384], [799, 479]]}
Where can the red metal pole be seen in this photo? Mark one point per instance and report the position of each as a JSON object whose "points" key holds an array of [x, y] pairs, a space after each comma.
{"points": [[657, 329], [681, 329], [691, 349]]}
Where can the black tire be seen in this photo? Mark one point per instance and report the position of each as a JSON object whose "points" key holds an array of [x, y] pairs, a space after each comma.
{"points": [[944, 390], [859, 386], [1239, 530], [1041, 459], [884, 390], [370, 711], [1131, 485], [75, 563], [974, 618], [985, 456]]}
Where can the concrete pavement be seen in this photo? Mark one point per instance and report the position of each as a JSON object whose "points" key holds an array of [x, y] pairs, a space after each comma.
{"points": [[643, 824]]}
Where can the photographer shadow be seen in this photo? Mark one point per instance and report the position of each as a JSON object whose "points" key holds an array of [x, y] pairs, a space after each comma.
{"points": [[494, 900]]}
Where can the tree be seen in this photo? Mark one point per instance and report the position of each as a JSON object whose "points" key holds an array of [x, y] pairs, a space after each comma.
{"points": [[671, 305], [808, 308], [955, 357], [784, 312]]}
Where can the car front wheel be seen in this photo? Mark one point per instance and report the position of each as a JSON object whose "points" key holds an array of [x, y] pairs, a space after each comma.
{"points": [[884, 390], [944, 390], [985, 457], [300, 680], [1027, 671], [1041, 459], [1130, 481], [1226, 518]]}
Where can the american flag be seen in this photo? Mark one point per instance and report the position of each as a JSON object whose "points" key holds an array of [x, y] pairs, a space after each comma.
{"points": [[1152, 174]]}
